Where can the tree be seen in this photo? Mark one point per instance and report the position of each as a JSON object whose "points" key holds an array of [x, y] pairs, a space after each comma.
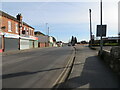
{"points": [[75, 40], [54, 39], [72, 41]]}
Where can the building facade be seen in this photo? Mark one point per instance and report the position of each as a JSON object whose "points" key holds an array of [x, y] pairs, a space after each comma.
{"points": [[52, 42], [15, 34], [43, 40]]}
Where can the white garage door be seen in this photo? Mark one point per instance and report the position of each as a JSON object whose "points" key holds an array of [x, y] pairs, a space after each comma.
{"points": [[24, 44]]}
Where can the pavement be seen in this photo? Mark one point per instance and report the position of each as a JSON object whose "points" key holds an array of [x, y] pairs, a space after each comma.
{"points": [[89, 71], [39, 68]]}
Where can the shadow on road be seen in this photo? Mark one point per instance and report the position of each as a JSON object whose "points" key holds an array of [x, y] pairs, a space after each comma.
{"points": [[11, 75], [5, 76], [95, 74]]}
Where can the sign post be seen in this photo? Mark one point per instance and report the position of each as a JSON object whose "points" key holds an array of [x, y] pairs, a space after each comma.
{"points": [[101, 31], [101, 41]]}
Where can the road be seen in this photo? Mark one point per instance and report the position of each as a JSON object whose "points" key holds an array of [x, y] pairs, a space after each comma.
{"points": [[37, 68], [89, 71]]}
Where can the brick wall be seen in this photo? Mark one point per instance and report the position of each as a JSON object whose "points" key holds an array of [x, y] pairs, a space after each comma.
{"points": [[4, 22], [42, 45]]}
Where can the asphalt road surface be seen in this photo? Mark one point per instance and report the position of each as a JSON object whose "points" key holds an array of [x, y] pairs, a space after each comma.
{"points": [[37, 68]]}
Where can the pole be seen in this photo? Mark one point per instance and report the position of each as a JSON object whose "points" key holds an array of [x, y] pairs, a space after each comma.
{"points": [[48, 31], [90, 29], [46, 28], [48, 35], [101, 41]]}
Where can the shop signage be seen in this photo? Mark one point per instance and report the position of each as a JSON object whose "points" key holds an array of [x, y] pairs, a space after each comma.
{"points": [[34, 38], [11, 35]]}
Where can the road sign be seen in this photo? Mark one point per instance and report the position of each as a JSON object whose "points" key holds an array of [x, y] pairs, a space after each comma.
{"points": [[103, 31]]}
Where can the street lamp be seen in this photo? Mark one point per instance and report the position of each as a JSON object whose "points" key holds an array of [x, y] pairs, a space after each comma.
{"points": [[90, 29], [101, 41], [48, 34]]}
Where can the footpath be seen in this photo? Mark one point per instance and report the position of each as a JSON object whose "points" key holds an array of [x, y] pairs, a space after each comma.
{"points": [[89, 71]]}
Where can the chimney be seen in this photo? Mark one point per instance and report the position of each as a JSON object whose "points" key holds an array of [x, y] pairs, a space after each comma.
{"points": [[19, 17]]}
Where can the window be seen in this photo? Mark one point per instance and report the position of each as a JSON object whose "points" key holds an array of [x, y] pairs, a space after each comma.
{"points": [[23, 30], [9, 26], [16, 27], [29, 31]]}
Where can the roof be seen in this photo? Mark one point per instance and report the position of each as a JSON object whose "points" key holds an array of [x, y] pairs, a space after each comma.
{"points": [[39, 33], [13, 18]]}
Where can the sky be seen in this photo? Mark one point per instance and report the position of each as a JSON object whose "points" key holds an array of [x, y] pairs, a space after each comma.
{"points": [[65, 18]]}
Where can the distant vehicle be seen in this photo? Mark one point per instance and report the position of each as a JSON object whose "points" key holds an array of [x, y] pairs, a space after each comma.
{"points": [[69, 44]]}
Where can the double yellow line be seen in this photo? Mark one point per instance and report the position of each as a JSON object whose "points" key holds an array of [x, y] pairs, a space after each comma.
{"points": [[65, 72]]}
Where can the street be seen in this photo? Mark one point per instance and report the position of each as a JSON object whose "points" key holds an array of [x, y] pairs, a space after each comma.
{"points": [[38, 68], [58, 44]]}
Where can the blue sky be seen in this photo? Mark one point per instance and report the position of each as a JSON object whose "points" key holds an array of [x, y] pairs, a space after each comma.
{"points": [[65, 19]]}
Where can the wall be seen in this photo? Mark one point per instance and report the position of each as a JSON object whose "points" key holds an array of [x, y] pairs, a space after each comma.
{"points": [[5, 23], [42, 45], [112, 58], [42, 39]]}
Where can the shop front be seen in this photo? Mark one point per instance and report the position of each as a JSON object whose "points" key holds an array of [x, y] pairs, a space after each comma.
{"points": [[11, 42], [33, 42], [24, 43], [36, 44], [28, 42]]}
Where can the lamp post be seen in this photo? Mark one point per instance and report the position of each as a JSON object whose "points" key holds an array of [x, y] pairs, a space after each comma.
{"points": [[101, 41], [48, 35], [90, 29]]}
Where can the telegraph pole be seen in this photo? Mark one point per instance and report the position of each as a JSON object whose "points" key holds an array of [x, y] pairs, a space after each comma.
{"points": [[90, 29], [101, 41]]}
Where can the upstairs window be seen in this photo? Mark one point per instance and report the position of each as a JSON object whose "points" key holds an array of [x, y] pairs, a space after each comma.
{"points": [[9, 26], [16, 27], [29, 31], [32, 33]]}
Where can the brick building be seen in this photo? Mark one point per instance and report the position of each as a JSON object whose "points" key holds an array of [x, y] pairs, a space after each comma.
{"points": [[43, 40], [16, 34]]}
